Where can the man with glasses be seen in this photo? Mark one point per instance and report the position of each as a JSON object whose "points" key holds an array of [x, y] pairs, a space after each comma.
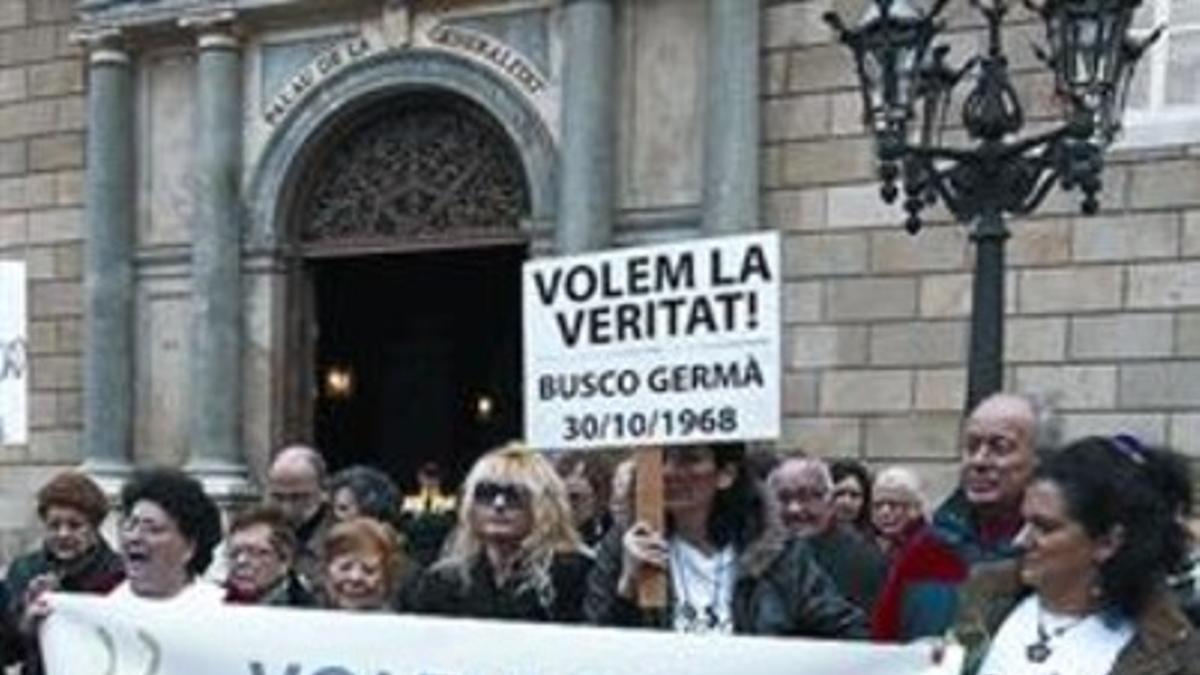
{"points": [[295, 486], [801, 489], [975, 524]]}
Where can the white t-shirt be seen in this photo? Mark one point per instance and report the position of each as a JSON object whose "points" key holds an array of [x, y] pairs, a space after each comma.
{"points": [[703, 587], [1087, 646], [198, 594]]}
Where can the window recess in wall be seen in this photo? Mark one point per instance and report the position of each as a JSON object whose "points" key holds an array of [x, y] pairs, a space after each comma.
{"points": [[1164, 100]]}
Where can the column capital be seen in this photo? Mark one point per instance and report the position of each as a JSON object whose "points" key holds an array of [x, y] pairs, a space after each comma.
{"points": [[215, 28], [104, 44]]}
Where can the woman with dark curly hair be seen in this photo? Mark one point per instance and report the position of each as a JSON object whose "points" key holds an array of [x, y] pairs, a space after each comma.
{"points": [[168, 530], [730, 571], [73, 556], [1088, 595], [852, 500]]}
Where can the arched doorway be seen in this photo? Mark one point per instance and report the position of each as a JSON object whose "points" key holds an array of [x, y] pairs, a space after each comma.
{"points": [[407, 228]]}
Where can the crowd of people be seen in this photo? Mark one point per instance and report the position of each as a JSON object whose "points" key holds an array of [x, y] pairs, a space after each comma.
{"points": [[1049, 557]]}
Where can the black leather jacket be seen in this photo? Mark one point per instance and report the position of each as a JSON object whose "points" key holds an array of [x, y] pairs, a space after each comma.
{"points": [[780, 590]]}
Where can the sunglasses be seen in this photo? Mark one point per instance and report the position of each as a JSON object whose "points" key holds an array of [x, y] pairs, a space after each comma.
{"points": [[487, 492]]}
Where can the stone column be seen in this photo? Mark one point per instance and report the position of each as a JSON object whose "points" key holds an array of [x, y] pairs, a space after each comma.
{"points": [[586, 194], [108, 260], [215, 373], [731, 147]]}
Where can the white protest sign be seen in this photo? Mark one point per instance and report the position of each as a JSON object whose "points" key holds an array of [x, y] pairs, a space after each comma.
{"points": [[14, 371], [89, 635], [662, 344]]}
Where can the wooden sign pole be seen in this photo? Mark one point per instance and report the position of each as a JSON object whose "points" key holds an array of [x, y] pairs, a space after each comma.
{"points": [[652, 586]]}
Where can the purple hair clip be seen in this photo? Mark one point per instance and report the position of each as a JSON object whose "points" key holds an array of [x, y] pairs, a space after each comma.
{"points": [[1130, 446]]}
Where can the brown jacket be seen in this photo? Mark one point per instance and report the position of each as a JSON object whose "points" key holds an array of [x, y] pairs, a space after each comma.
{"points": [[1164, 642]]}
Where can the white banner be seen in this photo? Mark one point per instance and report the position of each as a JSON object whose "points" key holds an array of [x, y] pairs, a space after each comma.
{"points": [[662, 344], [14, 341], [88, 635]]}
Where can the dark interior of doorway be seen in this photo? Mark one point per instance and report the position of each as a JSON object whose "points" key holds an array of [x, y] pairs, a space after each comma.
{"points": [[432, 346]]}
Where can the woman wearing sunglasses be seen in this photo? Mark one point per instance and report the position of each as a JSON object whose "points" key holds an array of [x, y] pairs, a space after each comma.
{"points": [[515, 554]]}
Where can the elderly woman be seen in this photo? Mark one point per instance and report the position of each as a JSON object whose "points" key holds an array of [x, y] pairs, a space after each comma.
{"points": [[1088, 596], [729, 571], [169, 528], [515, 553], [260, 553], [362, 566], [897, 509], [73, 556]]}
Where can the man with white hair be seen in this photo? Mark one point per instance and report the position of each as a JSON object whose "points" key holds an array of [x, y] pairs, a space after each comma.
{"points": [[801, 489], [296, 486]]}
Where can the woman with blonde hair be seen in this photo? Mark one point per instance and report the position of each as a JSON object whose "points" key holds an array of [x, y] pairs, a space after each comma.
{"points": [[515, 553]]}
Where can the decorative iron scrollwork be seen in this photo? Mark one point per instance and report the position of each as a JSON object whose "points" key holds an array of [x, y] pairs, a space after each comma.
{"points": [[423, 167]]}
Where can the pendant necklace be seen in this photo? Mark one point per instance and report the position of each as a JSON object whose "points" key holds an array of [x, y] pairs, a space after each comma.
{"points": [[1040, 650], [687, 610]]}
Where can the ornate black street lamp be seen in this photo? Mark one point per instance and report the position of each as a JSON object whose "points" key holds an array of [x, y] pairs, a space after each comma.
{"points": [[906, 84]]}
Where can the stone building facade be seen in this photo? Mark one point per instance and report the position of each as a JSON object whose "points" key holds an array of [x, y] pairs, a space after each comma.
{"points": [[226, 142]]}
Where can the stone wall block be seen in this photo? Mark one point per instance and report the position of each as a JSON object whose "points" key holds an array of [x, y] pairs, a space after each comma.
{"points": [[860, 206], [68, 260], [866, 391], [70, 113], [55, 298], [1187, 334], [40, 190], [1122, 336], [919, 343], [800, 392], [43, 336], [1157, 185], [56, 372], [1166, 384], [825, 162], [872, 298], [1045, 241], [27, 118], [28, 45], [13, 84], [933, 249], [825, 254], [941, 389], [47, 11], [1142, 235], [55, 225], [802, 301], [826, 346], [70, 408], [775, 73], [797, 118], [12, 193], [1191, 234], [797, 24], [847, 112], [58, 446], [43, 409], [1034, 340], [1074, 387], [39, 263], [823, 436], [821, 68], [949, 295], [60, 151], [68, 188], [1164, 285], [1070, 290], [795, 210], [1184, 434], [70, 334], [56, 78], [925, 436], [14, 229], [13, 12], [13, 157]]}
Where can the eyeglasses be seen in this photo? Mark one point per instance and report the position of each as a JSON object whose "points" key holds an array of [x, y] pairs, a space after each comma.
{"points": [[251, 552], [487, 492]]}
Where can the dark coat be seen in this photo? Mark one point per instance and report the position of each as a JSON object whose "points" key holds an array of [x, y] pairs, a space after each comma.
{"points": [[780, 590], [289, 591], [856, 566], [1164, 642], [97, 572], [440, 590]]}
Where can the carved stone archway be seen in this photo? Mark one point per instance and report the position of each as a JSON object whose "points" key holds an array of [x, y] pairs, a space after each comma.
{"points": [[418, 170]]}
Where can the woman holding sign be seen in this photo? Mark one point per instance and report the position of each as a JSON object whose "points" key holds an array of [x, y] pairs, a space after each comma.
{"points": [[729, 571], [515, 553]]}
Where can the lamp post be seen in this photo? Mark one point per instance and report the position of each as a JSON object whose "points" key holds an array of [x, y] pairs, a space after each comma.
{"points": [[906, 83]]}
